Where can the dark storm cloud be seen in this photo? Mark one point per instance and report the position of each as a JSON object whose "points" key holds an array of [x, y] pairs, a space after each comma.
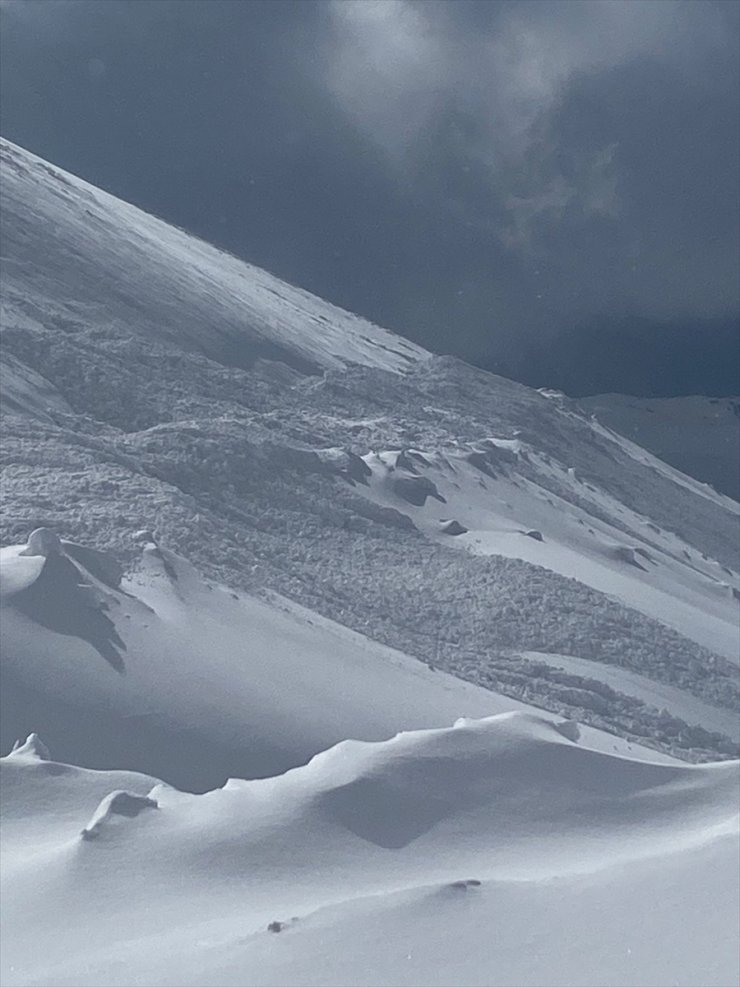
{"points": [[484, 177]]}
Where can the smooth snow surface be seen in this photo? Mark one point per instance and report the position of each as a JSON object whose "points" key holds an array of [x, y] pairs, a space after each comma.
{"points": [[496, 852]]}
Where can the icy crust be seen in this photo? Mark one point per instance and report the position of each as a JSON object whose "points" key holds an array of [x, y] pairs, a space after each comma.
{"points": [[361, 860]]}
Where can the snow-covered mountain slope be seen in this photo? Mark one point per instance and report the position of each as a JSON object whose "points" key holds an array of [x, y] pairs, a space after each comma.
{"points": [[23, 391], [176, 676], [160, 385], [163, 283], [698, 435], [493, 498], [500, 851]]}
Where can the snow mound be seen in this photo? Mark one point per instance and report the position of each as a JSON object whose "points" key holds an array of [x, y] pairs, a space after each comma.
{"points": [[120, 803], [216, 683], [57, 592], [525, 769], [21, 565], [501, 822], [43, 541]]}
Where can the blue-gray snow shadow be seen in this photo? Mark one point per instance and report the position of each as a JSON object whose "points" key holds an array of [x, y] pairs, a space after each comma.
{"points": [[382, 814], [62, 601]]}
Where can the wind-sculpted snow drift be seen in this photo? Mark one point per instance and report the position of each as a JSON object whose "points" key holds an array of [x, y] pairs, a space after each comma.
{"points": [[365, 861]]}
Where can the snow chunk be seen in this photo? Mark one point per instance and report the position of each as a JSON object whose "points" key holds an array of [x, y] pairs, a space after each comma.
{"points": [[144, 536], [453, 527], [569, 729], [628, 554], [33, 747], [534, 533], [43, 541]]}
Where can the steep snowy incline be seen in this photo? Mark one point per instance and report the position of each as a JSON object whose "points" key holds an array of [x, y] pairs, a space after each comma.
{"points": [[500, 851], [76, 256]]}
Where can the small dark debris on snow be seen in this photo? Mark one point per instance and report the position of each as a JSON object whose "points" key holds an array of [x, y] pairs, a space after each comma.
{"points": [[276, 927], [464, 885]]}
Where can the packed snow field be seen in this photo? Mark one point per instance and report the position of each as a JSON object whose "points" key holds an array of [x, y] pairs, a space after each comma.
{"points": [[270, 541]]}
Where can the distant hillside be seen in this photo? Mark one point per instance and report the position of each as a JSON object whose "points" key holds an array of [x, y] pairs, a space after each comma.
{"points": [[698, 435]]}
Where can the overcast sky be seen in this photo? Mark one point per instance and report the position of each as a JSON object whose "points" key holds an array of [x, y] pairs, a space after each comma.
{"points": [[549, 189]]}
